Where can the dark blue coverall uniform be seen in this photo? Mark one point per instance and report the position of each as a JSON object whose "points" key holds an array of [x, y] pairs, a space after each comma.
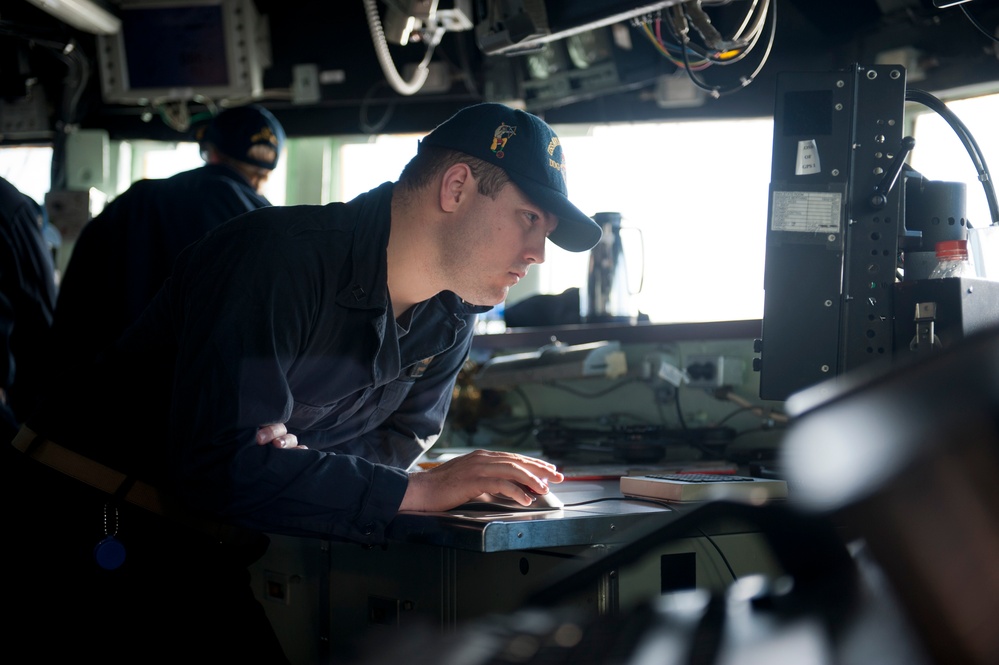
{"points": [[27, 301], [124, 255], [280, 315]]}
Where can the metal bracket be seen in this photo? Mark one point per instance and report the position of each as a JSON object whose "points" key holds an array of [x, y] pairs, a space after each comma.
{"points": [[925, 339]]}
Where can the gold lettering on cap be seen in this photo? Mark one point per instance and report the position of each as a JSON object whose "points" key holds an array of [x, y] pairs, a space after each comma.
{"points": [[558, 166], [555, 164]]}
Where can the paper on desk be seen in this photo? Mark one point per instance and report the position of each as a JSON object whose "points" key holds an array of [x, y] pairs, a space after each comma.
{"points": [[615, 471]]}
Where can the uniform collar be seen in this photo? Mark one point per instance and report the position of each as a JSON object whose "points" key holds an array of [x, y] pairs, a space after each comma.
{"points": [[371, 217]]}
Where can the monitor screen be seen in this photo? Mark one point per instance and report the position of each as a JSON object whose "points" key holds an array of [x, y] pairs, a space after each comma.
{"points": [[178, 50]]}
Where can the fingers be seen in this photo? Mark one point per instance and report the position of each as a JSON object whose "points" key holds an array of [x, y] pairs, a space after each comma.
{"points": [[463, 478], [269, 433], [278, 436], [287, 441], [532, 474]]}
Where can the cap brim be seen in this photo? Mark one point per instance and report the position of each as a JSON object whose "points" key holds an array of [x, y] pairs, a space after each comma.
{"points": [[576, 231]]}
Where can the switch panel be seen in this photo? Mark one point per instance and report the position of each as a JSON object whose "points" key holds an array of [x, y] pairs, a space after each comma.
{"points": [[713, 371]]}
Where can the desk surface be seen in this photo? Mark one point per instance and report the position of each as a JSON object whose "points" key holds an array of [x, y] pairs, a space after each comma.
{"points": [[595, 512]]}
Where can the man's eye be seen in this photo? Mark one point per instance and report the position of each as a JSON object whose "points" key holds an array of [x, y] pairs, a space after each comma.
{"points": [[531, 217]]}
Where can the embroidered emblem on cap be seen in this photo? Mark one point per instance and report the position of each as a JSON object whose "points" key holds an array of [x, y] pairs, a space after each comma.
{"points": [[501, 135]]}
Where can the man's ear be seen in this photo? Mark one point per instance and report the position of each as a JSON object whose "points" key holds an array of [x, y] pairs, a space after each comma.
{"points": [[457, 183]]}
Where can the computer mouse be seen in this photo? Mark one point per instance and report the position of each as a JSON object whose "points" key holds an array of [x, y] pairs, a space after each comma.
{"points": [[499, 502]]}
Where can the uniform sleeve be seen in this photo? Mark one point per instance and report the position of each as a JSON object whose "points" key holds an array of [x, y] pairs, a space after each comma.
{"points": [[237, 342]]}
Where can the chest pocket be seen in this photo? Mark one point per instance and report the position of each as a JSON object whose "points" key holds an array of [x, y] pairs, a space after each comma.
{"points": [[394, 393], [370, 406], [327, 416], [391, 397]]}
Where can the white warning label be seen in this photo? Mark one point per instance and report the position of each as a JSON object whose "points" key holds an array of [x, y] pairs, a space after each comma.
{"points": [[807, 161], [806, 212]]}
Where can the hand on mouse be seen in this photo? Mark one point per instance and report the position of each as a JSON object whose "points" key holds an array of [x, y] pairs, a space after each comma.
{"points": [[480, 472]]}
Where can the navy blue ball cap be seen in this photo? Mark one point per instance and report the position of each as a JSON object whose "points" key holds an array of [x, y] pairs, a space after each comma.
{"points": [[249, 134], [530, 152]]}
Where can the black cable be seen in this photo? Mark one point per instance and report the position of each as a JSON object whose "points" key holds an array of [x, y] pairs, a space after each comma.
{"points": [[463, 67], [662, 414], [660, 504], [732, 414], [599, 393], [528, 429], [367, 126], [710, 54], [977, 25], [962, 131], [720, 553], [964, 134], [507, 431], [679, 411], [74, 85], [527, 403], [755, 31], [717, 91], [706, 451], [725, 393], [755, 430]]}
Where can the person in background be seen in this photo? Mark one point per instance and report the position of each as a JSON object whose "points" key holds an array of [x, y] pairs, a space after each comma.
{"points": [[349, 324], [28, 294], [123, 255]]}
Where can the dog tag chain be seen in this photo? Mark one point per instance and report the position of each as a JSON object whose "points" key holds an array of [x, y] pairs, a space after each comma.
{"points": [[109, 553]]}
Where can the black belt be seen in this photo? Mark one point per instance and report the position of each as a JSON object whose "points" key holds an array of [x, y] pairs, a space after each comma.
{"points": [[122, 487]]}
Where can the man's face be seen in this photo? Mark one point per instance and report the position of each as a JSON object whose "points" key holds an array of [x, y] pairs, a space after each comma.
{"points": [[257, 177], [493, 243]]}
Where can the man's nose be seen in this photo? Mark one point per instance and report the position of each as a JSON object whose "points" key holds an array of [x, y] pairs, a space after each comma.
{"points": [[536, 248]]}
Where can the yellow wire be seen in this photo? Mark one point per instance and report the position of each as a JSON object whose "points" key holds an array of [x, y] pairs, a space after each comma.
{"points": [[725, 55]]}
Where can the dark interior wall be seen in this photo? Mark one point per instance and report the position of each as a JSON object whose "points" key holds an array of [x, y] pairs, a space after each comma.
{"points": [[810, 35]]}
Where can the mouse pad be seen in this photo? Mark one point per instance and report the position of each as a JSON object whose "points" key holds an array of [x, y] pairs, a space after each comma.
{"points": [[494, 502]]}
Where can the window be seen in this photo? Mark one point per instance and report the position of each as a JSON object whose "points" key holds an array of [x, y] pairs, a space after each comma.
{"points": [[162, 160], [29, 168], [698, 192], [367, 164]]}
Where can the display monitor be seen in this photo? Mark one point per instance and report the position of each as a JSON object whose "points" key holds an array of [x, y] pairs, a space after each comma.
{"points": [[179, 50]]}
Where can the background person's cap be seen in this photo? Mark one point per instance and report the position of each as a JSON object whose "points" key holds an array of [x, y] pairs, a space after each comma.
{"points": [[249, 134], [528, 150]]}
